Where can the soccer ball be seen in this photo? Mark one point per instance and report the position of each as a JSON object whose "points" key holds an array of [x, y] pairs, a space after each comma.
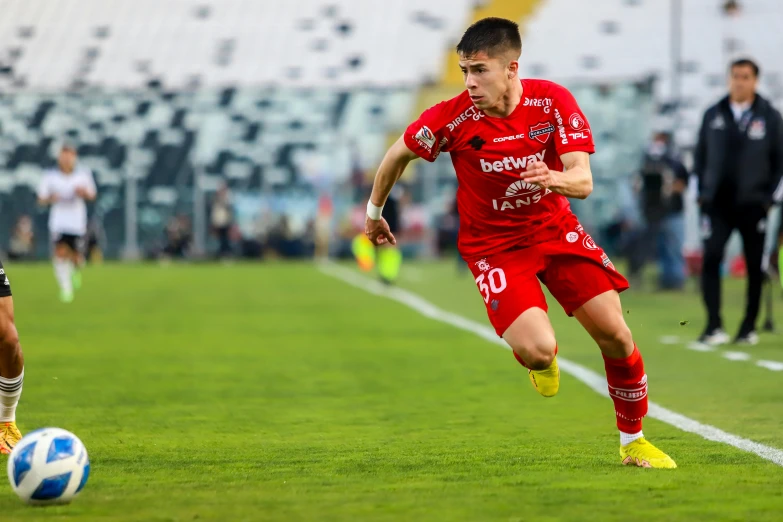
{"points": [[48, 466]]}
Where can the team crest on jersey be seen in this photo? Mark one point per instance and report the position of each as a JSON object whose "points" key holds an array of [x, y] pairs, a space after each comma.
{"points": [[757, 130], [425, 137], [718, 123], [483, 265], [541, 131]]}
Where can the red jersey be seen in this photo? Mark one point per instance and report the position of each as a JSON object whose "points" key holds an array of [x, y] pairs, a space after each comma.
{"points": [[497, 209]]}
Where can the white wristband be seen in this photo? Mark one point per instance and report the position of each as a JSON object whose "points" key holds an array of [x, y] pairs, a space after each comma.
{"points": [[374, 212]]}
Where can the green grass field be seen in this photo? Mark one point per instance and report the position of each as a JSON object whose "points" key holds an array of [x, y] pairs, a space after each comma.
{"points": [[275, 392]]}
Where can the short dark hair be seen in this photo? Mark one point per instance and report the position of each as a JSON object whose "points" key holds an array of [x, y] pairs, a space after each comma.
{"points": [[491, 35], [743, 62]]}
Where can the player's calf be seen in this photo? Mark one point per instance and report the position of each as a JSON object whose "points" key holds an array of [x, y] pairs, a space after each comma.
{"points": [[63, 271], [11, 376], [11, 359]]}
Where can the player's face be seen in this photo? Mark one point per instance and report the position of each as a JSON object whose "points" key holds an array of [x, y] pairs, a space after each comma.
{"points": [[487, 78], [742, 83], [67, 160]]}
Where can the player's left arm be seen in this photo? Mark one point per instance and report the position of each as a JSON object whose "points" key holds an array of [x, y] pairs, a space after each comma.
{"points": [[575, 181], [89, 191]]}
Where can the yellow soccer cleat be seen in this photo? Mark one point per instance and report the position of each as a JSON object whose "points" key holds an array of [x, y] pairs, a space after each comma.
{"points": [[546, 382], [643, 454], [9, 436]]}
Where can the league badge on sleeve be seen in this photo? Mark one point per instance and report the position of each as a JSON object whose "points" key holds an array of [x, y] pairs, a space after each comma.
{"points": [[576, 121], [425, 137]]}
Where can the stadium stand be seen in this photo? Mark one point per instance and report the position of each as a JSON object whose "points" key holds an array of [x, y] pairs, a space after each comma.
{"points": [[313, 90]]}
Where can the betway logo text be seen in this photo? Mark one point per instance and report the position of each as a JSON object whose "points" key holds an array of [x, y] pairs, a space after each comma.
{"points": [[511, 163]]}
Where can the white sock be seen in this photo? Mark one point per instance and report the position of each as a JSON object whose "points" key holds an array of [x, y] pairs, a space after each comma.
{"points": [[10, 391], [63, 269], [627, 438]]}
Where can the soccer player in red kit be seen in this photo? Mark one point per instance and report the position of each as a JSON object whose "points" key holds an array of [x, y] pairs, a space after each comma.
{"points": [[520, 148]]}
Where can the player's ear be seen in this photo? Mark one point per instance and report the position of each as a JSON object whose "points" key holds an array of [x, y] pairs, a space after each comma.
{"points": [[513, 69]]}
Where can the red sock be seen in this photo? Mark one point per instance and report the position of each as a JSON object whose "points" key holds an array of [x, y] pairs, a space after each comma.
{"points": [[520, 361], [628, 389]]}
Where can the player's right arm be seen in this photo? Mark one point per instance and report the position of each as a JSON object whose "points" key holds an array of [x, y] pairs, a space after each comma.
{"points": [[45, 195], [393, 165], [424, 138]]}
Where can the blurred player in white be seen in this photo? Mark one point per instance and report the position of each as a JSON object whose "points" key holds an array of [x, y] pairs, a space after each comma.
{"points": [[67, 189]]}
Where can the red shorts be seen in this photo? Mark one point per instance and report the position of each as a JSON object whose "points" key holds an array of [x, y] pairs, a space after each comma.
{"points": [[572, 267]]}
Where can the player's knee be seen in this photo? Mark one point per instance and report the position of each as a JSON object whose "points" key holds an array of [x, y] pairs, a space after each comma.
{"points": [[541, 360], [9, 336], [617, 342], [538, 355]]}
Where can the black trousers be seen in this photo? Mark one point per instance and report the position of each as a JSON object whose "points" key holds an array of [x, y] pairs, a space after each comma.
{"points": [[224, 239], [717, 226]]}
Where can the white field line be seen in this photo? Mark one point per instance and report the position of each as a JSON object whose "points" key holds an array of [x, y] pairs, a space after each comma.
{"points": [[775, 366], [593, 380], [736, 356]]}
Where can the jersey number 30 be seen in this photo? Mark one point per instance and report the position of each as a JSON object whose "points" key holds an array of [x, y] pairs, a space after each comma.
{"points": [[497, 283]]}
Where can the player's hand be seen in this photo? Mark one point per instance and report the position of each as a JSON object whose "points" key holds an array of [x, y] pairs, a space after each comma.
{"points": [[377, 230], [538, 173], [83, 193]]}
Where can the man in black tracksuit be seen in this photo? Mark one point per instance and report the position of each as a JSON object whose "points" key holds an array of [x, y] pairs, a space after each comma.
{"points": [[739, 162]]}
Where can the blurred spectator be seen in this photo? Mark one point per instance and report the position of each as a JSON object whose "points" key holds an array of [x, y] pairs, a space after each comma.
{"points": [[285, 241], [732, 8], [21, 244], [448, 233], [222, 219], [178, 237], [322, 226], [662, 180], [739, 162]]}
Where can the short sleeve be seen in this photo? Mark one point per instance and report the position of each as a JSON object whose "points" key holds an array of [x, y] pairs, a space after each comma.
{"points": [[573, 130], [428, 136], [44, 192]]}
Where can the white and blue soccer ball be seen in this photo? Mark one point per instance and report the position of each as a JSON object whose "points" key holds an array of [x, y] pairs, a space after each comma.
{"points": [[48, 466]]}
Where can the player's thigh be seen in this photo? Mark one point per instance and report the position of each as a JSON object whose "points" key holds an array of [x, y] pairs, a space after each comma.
{"points": [[508, 285], [577, 269], [716, 229], [66, 246]]}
